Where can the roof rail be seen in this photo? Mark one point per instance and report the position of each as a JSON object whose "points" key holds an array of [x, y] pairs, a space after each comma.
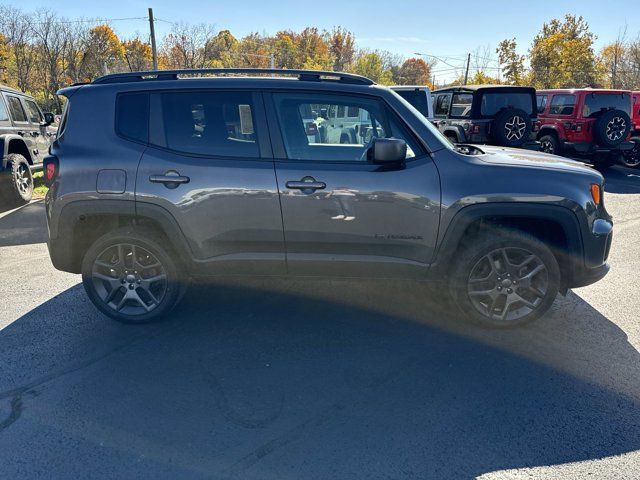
{"points": [[306, 75]]}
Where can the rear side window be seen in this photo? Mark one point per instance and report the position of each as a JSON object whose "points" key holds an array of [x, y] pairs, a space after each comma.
{"points": [[132, 116], [417, 98], [541, 101], [461, 105], [15, 107], [562, 104], [210, 123], [596, 103]]}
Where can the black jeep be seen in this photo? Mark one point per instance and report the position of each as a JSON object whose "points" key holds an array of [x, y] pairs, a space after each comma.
{"points": [[487, 114], [24, 141]]}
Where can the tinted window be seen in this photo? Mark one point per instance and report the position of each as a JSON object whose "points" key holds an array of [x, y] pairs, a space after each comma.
{"points": [[493, 102], [132, 116], [33, 111], [328, 138], [417, 98], [15, 107], [210, 123], [541, 101], [596, 103], [461, 105], [442, 104], [562, 104], [4, 116]]}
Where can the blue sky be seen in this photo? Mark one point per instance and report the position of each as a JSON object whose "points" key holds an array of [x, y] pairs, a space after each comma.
{"points": [[401, 27]]}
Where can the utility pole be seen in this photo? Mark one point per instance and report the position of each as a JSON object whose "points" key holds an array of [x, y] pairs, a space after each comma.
{"points": [[272, 61], [154, 50], [466, 73]]}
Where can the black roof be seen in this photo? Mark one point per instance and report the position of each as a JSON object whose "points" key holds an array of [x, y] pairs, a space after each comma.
{"points": [[475, 88]]}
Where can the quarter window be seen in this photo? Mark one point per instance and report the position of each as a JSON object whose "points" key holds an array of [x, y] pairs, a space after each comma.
{"points": [[210, 123], [461, 105], [132, 116], [33, 111], [15, 107], [4, 116], [327, 138], [562, 104]]}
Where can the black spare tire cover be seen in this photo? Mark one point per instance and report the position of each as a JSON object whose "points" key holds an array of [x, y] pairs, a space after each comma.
{"points": [[611, 128], [511, 127]]}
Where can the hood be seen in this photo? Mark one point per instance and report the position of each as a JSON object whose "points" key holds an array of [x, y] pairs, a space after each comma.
{"points": [[530, 158]]}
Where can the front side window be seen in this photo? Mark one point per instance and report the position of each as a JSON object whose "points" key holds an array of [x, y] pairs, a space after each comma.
{"points": [[494, 102], [328, 138], [33, 111], [541, 101], [596, 103], [461, 105], [15, 107], [210, 123], [562, 104], [442, 105], [4, 116]]}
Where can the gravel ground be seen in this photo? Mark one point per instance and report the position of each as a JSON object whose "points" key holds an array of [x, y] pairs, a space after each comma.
{"points": [[317, 379]]}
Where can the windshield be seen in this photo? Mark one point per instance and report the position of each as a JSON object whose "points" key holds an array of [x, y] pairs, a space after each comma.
{"points": [[596, 103], [493, 102]]}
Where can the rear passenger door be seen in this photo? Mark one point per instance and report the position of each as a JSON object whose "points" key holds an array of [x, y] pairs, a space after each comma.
{"points": [[209, 166], [344, 215]]}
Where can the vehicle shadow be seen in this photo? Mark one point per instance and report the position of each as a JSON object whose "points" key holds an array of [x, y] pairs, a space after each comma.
{"points": [[25, 226], [311, 379], [621, 179]]}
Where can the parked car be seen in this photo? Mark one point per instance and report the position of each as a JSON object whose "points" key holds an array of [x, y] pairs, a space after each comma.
{"points": [[631, 158], [147, 194], [24, 140], [585, 122], [487, 114], [418, 96]]}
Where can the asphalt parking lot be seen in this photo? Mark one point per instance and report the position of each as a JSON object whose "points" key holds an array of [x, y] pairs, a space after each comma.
{"points": [[315, 379]]}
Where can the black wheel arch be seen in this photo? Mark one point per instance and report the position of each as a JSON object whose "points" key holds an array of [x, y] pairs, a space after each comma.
{"points": [[455, 131], [556, 225], [14, 144]]}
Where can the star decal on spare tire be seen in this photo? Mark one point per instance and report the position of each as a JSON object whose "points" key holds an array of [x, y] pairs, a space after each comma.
{"points": [[515, 128]]}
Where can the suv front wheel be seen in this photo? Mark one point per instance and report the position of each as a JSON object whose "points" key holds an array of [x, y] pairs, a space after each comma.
{"points": [[505, 280], [19, 188], [131, 277]]}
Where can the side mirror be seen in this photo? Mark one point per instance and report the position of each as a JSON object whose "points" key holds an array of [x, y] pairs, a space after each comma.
{"points": [[48, 119], [388, 150]]}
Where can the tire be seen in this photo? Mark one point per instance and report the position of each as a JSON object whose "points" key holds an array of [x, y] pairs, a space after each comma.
{"points": [[550, 144], [18, 185], [631, 158], [132, 292], [521, 290], [611, 128], [511, 128]]}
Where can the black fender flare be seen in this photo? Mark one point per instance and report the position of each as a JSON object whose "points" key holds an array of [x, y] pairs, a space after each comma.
{"points": [[458, 131], [5, 140], [561, 215], [546, 129]]}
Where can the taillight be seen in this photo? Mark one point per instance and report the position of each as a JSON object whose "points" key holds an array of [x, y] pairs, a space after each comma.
{"points": [[474, 128], [50, 166], [536, 126], [312, 128]]}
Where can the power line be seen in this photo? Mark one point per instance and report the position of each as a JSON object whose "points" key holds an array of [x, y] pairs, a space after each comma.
{"points": [[96, 20]]}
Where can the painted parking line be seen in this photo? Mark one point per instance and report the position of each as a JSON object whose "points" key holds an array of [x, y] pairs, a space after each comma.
{"points": [[9, 212]]}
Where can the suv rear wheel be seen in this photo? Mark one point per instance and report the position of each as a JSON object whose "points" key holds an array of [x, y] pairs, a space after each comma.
{"points": [[130, 277], [20, 182], [550, 144], [631, 158], [505, 280]]}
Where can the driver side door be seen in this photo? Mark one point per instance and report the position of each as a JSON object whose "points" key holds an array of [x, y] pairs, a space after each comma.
{"points": [[342, 214]]}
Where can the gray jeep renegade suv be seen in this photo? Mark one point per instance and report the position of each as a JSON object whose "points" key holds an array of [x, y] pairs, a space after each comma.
{"points": [[157, 177]]}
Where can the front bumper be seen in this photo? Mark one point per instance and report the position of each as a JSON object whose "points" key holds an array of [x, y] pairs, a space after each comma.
{"points": [[597, 245]]}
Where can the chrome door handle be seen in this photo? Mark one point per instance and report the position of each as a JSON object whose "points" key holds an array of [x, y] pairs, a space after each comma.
{"points": [[171, 179], [306, 185]]}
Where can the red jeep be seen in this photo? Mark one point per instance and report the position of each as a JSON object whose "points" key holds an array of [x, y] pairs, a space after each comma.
{"points": [[586, 122]]}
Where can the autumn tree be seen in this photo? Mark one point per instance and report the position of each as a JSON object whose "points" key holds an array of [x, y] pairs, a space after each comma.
{"points": [[370, 64], [137, 55], [17, 29], [414, 71], [341, 47], [562, 54], [188, 46], [511, 62], [105, 52], [221, 49]]}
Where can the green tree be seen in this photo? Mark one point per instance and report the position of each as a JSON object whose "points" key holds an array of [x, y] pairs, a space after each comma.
{"points": [[370, 64], [562, 55], [511, 62], [137, 55]]}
